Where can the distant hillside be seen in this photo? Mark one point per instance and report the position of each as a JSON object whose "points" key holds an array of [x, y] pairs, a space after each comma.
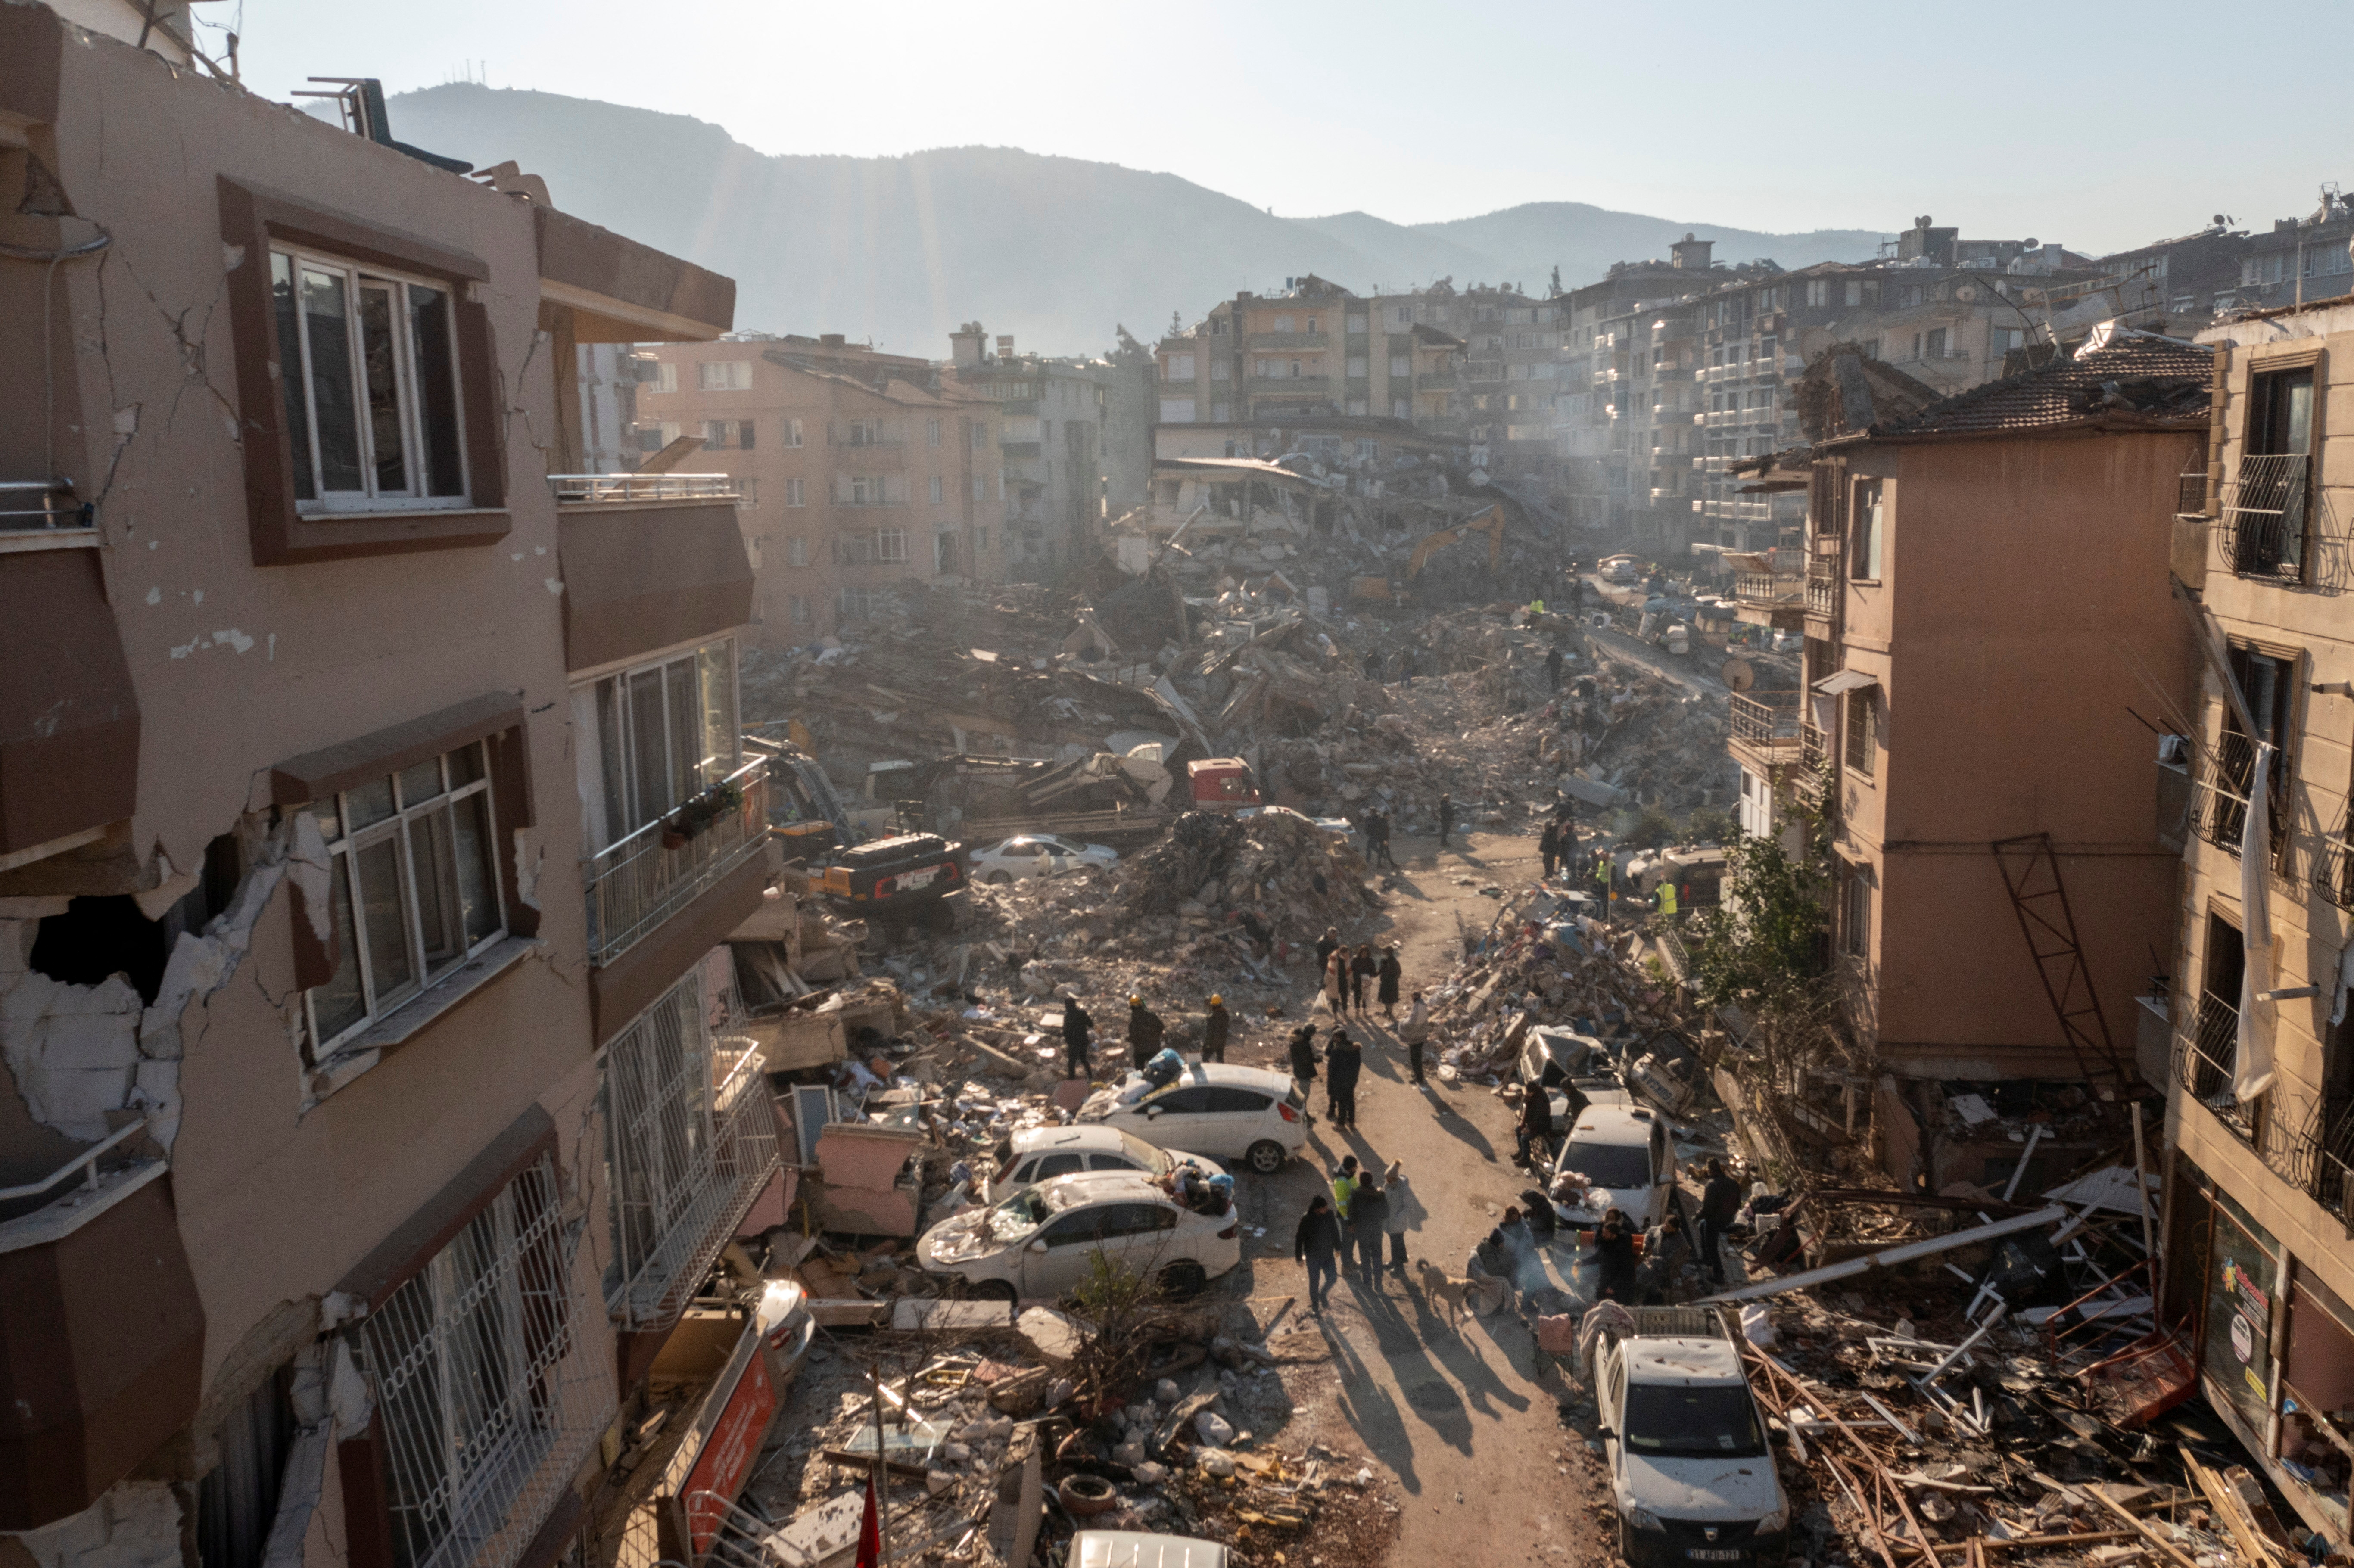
{"points": [[1054, 250]]}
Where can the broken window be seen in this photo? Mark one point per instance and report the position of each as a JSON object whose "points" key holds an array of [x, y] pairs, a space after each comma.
{"points": [[1860, 718], [415, 886], [236, 1501], [370, 388], [720, 435], [860, 604], [2268, 684]]}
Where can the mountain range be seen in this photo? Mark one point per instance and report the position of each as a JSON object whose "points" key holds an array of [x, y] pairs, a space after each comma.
{"points": [[1056, 251]]}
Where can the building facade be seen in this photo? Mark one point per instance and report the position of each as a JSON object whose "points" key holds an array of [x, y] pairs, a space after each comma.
{"points": [[1061, 422], [321, 987]]}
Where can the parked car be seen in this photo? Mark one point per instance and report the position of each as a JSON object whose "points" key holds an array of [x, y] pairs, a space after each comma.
{"points": [[1691, 1471], [1042, 1240], [1558, 1058], [1248, 1114], [1625, 1151], [1131, 1549], [1038, 854], [1621, 568], [1042, 1153]]}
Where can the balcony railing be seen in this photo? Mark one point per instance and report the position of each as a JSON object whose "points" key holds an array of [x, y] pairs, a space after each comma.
{"points": [[35, 504], [1774, 590], [2222, 791], [577, 488], [1823, 579], [2190, 492], [2262, 528], [1771, 724], [2206, 1050], [2322, 1160], [634, 884]]}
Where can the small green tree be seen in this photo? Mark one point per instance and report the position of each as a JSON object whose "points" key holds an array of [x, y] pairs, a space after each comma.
{"points": [[1763, 945]]}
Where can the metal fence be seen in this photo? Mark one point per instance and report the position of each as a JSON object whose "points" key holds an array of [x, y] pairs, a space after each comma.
{"points": [[2207, 1052], [634, 884], [690, 1140], [2262, 529], [612, 487], [1769, 587], [489, 1392]]}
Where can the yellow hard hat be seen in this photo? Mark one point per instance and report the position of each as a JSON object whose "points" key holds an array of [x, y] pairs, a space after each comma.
{"points": [[1217, 1002]]}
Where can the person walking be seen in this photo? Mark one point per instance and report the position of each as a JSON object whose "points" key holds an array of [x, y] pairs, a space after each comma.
{"points": [[1381, 845], [1389, 972], [1336, 981], [1361, 968], [1719, 1202], [1303, 1056], [1214, 1031], [1075, 1027], [1415, 1031], [1553, 665], [1345, 1059], [1535, 1133], [1446, 818], [1344, 1186], [1406, 1213], [1145, 1032], [1317, 1244], [1665, 1248], [1331, 940], [1369, 1215]]}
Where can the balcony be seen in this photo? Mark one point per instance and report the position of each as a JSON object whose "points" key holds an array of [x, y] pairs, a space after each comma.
{"points": [[2322, 1159], [690, 1134], [2263, 530], [1775, 592], [635, 884], [1770, 731], [1823, 580], [613, 489], [2205, 1049], [1021, 449]]}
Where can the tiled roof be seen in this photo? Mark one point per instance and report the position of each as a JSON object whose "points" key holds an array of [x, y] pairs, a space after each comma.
{"points": [[2134, 381]]}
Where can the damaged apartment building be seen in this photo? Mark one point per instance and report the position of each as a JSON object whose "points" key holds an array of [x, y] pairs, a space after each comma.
{"points": [[361, 1126], [1985, 609]]}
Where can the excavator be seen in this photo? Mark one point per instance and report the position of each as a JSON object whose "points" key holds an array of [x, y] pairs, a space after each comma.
{"points": [[1489, 522]]}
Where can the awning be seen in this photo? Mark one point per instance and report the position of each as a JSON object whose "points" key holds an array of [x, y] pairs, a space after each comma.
{"points": [[1845, 680]]}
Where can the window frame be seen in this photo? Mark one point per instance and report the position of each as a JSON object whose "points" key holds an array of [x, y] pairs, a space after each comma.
{"points": [[1860, 730], [1855, 914], [1867, 527], [618, 756], [705, 381]]}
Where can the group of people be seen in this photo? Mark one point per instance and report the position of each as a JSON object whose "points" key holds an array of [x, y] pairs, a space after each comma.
{"points": [[1147, 1033], [1364, 1205], [1375, 824], [1345, 974]]}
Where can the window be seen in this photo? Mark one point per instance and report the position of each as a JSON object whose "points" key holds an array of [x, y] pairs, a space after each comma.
{"points": [[796, 550], [1283, 323], [1859, 717], [416, 888], [863, 433], [1855, 918], [1368, 448], [238, 1502], [1401, 365], [860, 604], [724, 376], [1866, 528], [1177, 410], [1311, 323], [653, 438], [932, 435], [2268, 510], [664, 731], [867, 489], [1357, 322], [797, 609], [371, 393], [944, 554], [2002, 341], [718, 435], [1936, 346], [979, 436], [1180, 367], [981, 539], [938, 489], [2268, 683], [792, 432], [1221, 368], [796, 492], [1854, 296], [891, 545], [665, 378], [1359, 367]]}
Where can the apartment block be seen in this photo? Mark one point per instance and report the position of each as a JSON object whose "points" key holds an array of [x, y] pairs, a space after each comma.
{"points": [[361, 1127], [2260, 1121], [1064, 425], [868, 472]]}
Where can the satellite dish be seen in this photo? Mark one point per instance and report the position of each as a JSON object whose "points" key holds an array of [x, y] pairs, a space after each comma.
{"points": [[1739, 675], [1966, 293]]}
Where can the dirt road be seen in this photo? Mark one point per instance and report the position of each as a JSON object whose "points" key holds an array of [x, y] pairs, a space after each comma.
{"points": [[1485, 1469]]}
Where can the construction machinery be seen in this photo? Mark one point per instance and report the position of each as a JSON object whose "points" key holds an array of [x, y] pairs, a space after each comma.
{"points": [[1489, 522]]}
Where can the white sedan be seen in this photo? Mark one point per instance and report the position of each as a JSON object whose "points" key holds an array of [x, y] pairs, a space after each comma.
{"points": [[1038, 1154], [1038, 854], [1041, 1242], [1249, 1114]]}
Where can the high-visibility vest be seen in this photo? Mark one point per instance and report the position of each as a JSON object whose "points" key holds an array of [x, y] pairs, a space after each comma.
{"points": [[1666, 898]]}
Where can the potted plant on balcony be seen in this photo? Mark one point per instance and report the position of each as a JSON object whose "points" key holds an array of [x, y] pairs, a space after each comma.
{"points": [[698, 811]]}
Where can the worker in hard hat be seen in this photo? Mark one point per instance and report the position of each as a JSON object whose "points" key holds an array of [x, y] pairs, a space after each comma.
{"points": [[1668, 906], [1144, 1031], [1214, 1031]]}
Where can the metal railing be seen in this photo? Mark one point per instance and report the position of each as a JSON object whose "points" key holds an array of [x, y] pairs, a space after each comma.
{"points": [[690, 1140], [2333, 868], [1778, 589], [2190, 493], [1823, 579], [2206, 1053], [2263, 526], [86, 1162], [2222, 792], [1771, 724], [634, 884], [489, 1389], [1814, 751], [2322, 1158], [37, 503], [594, 488]]}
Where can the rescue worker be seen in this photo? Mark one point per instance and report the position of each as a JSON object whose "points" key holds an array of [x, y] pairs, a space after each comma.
{"points": [[1668, 903], [1144, 1032], [1076, 1027], [1213, 1032]]}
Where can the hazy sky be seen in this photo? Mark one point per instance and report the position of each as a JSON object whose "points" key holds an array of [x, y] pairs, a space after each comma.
{"points": [[2099, 125]]}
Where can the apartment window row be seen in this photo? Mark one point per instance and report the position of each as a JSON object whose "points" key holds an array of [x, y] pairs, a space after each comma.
{"points": [[726, 435], [870, 490], [724, 376]]}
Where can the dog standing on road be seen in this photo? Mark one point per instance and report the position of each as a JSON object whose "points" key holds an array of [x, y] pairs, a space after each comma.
{"points": [[1444, 1290]]}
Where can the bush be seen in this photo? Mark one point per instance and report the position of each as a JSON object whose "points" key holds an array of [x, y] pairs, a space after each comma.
{"points": [[1708, 825], [1653, 828]]}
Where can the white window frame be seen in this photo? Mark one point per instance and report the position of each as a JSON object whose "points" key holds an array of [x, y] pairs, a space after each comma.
{"points": [[939, 489], [792, 432], [931, 432], [665, 377], [350, 888], [796, 492], [616, 719], [723, 376], [891, 546], [796, 550], [356, 280]]}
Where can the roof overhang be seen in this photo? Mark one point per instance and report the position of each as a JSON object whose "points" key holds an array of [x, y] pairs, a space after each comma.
{"points": [[1845, 680], [622, 291]]}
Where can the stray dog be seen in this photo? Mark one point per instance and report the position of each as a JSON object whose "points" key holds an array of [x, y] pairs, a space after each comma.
{"points": [[1447, 1291]]}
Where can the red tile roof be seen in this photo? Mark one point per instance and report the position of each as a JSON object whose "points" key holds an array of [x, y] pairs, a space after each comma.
{"points": [[2134, 381]]}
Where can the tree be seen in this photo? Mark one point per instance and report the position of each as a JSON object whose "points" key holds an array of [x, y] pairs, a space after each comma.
{"points": [[1764, 944]]}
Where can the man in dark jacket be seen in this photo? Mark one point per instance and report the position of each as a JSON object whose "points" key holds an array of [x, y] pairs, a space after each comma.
{"points": [[1345, 1060], [1332, 940], [1614, 1257], [1389, 973], [1303, 1054], [1317, 1244], [1549, 848], [1535, 1135], [1075, 1027], [1369, 1212], [1719, 1202], [1144, 1031], [1214, 1031], [1445, 819], [1553, 665]]}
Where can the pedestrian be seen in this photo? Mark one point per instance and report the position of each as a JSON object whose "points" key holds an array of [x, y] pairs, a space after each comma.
{"points": [[1541, 1221], [1665, 1248], [1490, 1267], [1214, 1031], [1369, 1215], [1382, 843], [1303, 1056], [1668, 902], [1075, 1027], [1317, 1244], [1549, 848], [1361, 968], [1389, 972], [1336, 981], [1346, 1059], [1406, 1213], [1344, 1184], [1613, 1257], [1331, 940], [1446, 818], [1535, 1133], [1145, 1032], [1719, 1202], [1553, 665], [1417, 1031]]}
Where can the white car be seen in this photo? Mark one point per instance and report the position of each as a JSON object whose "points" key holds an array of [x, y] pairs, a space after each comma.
{"points": [[1338, 828], [1039, 1154], [1042, 1240], [1038, 854], [1625, 1151], [1560, 1059], [1691, 1469], [1246, 1113]]}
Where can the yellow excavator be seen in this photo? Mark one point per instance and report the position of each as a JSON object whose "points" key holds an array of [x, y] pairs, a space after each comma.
{"points": [[1489, 522]]}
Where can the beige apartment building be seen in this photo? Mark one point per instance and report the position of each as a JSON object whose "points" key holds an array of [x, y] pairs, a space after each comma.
{"points": [[2260, 1251], [867, 472], [361, 1125], [1064, 425]]}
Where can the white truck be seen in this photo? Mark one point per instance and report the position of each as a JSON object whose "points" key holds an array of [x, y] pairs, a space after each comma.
{"points": [[1691, 1467]]}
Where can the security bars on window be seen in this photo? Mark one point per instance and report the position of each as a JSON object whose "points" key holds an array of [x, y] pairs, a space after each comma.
{"points": [[690, 1140], [488, 1392]]}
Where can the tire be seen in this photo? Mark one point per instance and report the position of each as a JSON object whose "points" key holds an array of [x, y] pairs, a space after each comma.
{"points": [[1265, 1157], [1084, 1496], [993, 1290], [998, 879], [1182, 1281]]}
